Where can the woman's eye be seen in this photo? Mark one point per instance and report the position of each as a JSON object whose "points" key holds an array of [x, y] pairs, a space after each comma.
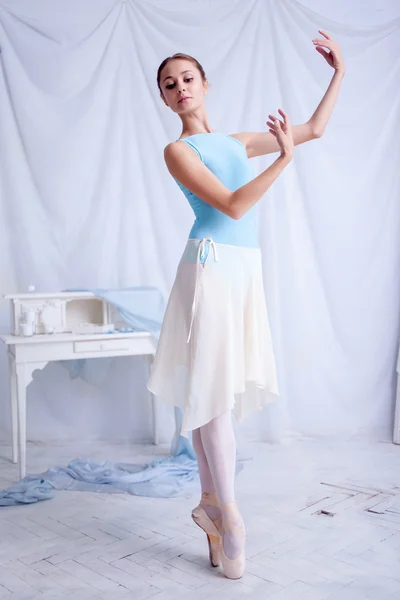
{"points": [[171, 86]]}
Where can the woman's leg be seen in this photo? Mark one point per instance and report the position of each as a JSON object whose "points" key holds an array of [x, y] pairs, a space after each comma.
{"points": [[206, 480], [219, 444]]}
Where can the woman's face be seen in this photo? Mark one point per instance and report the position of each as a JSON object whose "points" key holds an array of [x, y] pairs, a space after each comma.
{"points": [[182, 86]]}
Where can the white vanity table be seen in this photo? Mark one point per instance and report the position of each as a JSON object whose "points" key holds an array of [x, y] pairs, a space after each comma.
{"points": [[65, 312]]}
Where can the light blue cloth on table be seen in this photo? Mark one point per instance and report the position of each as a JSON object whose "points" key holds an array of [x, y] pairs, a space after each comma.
{"points": [[143, 309]]}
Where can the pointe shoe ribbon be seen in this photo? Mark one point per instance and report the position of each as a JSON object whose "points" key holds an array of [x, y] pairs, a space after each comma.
{"points": [[201, 518], [233, 567]]}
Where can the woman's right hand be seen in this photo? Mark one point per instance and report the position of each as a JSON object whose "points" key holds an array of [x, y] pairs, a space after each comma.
{"points": [[282, 130]]}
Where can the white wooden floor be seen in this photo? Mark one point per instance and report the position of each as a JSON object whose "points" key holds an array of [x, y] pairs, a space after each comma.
{"points": [[323, 521]]}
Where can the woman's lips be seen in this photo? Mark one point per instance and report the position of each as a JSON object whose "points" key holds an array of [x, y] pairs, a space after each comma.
{"points": [[183, 99]]}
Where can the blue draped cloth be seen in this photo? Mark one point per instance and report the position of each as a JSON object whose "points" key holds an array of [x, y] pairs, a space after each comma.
{"points": [[162, 478]]}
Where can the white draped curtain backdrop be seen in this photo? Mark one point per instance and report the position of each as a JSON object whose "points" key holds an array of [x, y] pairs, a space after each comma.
{"points": [[86, 200]]}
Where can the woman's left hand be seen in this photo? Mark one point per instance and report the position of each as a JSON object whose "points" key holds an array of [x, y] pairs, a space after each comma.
{"points": [[333, 56]]}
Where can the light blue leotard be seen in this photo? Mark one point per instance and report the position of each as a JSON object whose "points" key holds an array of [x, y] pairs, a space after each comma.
{"points": [[226, 157]]}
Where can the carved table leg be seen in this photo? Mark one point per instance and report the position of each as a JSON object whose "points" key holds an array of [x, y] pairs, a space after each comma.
{"points": [[24, 377], [14, 406]]}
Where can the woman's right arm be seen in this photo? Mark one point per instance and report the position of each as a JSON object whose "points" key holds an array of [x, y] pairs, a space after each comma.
{"points": [[185, 165]]}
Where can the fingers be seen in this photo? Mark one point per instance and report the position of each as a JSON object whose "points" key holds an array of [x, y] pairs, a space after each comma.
{"points": [[324, 43], [271, 122], [274, 119], [328, 37], [275, 123], [281, 130], [284, 115]]}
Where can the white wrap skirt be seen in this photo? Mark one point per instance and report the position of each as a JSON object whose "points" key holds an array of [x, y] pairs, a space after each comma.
{"points": [[215, 349]]}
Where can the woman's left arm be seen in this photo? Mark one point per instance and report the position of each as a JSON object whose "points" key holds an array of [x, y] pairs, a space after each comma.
{"points": [[258, 144]]}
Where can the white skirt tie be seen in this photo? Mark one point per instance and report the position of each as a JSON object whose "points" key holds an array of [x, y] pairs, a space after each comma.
{"points": [[199, 264]]}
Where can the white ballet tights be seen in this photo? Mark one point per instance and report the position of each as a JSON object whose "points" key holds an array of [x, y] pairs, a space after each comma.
{"points": [[215, 447], [206, 480]]}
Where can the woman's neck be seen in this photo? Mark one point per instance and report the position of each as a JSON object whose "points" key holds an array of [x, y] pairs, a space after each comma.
{"points": [[193, 125], [187, 133]]}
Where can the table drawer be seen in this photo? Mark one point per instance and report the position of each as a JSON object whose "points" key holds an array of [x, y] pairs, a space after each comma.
{"points": [[102, 346]]}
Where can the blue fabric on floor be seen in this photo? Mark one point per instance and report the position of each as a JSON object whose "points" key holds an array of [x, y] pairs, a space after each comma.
{"points": [[179, 476], [162, 478], [26, 492]]}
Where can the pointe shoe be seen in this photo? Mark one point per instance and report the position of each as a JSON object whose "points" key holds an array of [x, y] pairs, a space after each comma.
{"points": [[201, 518], [233, 567]]}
